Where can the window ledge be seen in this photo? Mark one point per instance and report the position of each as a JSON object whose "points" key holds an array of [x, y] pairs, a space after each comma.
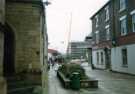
{"points": [[106, 20], [121, 10], [132, 12], [108, 39], [125, 66], [123, 34]]}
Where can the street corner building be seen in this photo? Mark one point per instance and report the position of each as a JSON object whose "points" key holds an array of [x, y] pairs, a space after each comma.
{"points": [[3, 84], [113, 34], [24, 21], [23, 39], [101, 36]]}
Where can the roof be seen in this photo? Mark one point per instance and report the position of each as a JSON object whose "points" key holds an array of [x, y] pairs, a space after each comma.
{"points": [[52, 51], [100, 9]]}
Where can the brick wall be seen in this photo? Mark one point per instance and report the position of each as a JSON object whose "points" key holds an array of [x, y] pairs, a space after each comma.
{"points": [[102, 24], [130, 37]]}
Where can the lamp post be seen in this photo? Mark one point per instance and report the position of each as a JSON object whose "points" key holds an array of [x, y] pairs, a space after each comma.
{"points": [[69, 36]]}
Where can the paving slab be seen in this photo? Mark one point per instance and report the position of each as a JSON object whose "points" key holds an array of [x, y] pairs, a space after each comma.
{"points": [[109, 83]]}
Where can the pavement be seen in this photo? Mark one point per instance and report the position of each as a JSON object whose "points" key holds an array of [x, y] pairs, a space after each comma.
{"points": [[109, 83]]}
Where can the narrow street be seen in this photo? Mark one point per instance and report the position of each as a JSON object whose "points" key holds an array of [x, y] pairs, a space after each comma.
{"points": [[55, 87], [109, 83]]}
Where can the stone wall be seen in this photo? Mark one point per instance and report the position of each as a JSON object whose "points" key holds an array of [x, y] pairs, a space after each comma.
{"points": [[1, 52], [3, 86], [2, 14], [3, 89], [2, 10], [25, 20]]}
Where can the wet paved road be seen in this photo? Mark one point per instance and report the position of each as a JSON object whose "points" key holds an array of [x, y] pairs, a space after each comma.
{"points": [[109, 83]]}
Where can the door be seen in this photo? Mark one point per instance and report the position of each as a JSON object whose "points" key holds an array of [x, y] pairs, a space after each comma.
{"points": [[9, 52], [108, 58]]}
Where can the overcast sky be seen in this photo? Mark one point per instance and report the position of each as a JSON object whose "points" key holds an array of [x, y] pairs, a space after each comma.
{"points": [[63, 13]]}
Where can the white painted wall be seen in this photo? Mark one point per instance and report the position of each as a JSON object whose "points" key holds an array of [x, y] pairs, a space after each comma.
{"points": [[116, 59], [94, 58]]}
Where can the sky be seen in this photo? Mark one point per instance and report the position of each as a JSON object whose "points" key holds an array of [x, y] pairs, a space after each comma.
{"points": [[69, 20]]}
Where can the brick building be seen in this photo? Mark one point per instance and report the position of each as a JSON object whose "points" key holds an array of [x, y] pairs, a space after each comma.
{"points": [[121, 28], [102, 35], [124, 28]]}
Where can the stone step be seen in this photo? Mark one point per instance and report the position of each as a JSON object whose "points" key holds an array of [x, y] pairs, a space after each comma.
{"points": [[15, 86], [22, 90]]}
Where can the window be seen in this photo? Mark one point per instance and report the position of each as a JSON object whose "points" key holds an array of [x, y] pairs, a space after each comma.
{"points": [[122, 5], [97, 58], [124, 57], [107, 13], [97, 20], [133, 22], [107, 32], [132, 13], [123, 25], [102, 58], [97, 36]]}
